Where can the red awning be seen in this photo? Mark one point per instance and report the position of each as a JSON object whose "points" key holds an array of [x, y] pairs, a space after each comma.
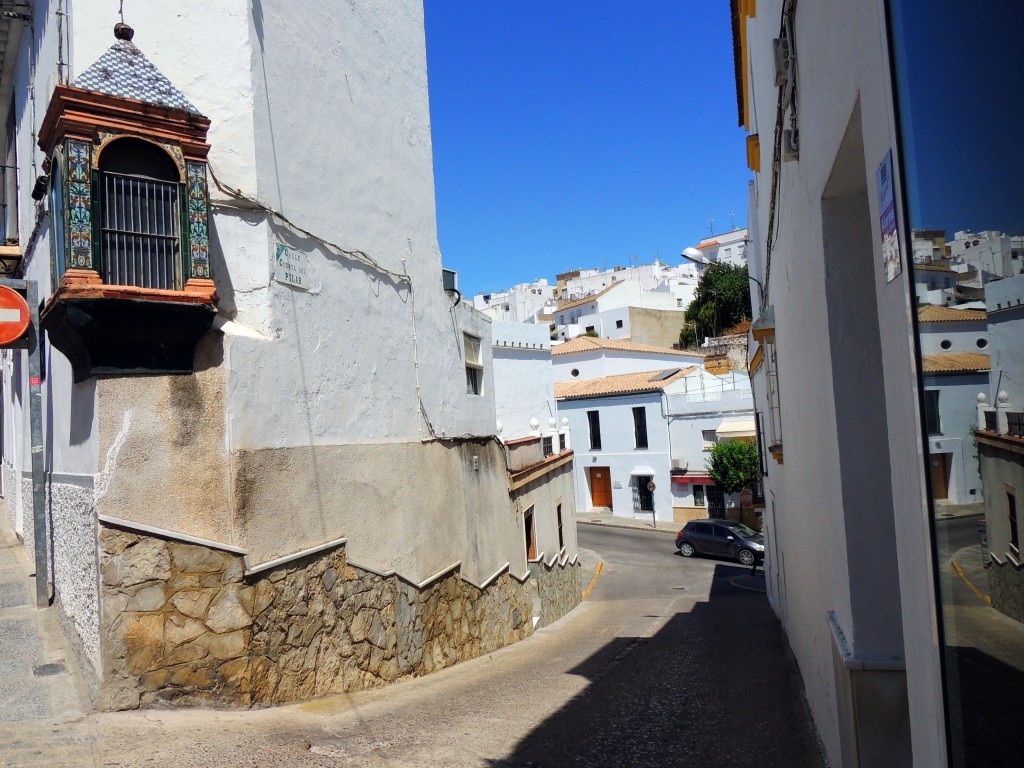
{"points": [[690, 478]]}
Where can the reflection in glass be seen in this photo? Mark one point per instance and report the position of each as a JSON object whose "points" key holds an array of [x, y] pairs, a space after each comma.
{"points": [[960, 87]]}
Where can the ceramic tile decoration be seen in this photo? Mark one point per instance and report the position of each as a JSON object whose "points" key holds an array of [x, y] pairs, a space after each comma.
{"points": [[124, 71]]}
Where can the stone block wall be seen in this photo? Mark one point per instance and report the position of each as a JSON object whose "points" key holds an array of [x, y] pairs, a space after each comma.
{"points": [[1006, 582], [181, 624], [558, 588]]}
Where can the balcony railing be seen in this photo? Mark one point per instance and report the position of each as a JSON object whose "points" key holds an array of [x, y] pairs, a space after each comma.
{"points": [[1014, 423]]}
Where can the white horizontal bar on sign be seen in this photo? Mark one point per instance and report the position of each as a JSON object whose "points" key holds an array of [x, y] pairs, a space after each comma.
{"points": [[10, 315]]}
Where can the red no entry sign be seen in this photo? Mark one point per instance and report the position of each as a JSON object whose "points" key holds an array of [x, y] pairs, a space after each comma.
{"points": [[14, 317]]}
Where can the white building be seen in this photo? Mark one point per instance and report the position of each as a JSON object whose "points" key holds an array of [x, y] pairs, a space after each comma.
{"points": [[1000, 439], [645, 303], [935, 284], [540, 459], [654, 426], [587, 357], [993, 255], [519, 304], [955, 365], [621, 441], [726, 248], [850, 569], [249, 388]]}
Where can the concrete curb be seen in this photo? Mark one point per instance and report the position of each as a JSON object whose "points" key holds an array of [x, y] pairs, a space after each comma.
{"points": [[623, 526]]}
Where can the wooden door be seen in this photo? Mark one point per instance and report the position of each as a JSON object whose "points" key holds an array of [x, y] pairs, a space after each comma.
{"points": [[600, 487], [940, 476]]}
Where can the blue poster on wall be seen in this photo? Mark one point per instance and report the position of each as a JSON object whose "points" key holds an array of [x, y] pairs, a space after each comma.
{"points": [[887, 218]]}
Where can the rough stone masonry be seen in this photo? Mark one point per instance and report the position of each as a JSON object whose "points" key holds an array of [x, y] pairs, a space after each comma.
{"points": [[181, 624]]}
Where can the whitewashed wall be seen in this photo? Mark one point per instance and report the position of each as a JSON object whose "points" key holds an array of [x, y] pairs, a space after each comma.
{"points": [[523, 382], [607, 362], [618, 450], [843, 82]]}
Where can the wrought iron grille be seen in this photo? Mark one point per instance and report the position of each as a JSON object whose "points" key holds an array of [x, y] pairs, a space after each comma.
{"points": [[140, 232], [1015, 424]]}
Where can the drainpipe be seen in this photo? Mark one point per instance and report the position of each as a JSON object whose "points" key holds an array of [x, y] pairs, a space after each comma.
{"points": [[39, 533]]}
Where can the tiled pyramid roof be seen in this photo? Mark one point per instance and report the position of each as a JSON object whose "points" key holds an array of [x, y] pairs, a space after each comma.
{"points": [[124, 71]]}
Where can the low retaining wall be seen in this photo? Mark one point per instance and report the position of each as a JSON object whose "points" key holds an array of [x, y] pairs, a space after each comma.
{"points": [[557, 588], [1006, 583], [181, 624]]}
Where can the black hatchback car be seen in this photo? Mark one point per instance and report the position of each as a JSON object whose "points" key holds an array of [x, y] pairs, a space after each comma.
{"points": [[723, 538]]}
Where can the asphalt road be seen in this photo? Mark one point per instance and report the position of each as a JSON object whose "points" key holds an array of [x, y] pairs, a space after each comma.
{"points": [[668, 663]]}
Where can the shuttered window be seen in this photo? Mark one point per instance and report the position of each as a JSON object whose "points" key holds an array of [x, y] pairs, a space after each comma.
{"points": [[474, 365]]}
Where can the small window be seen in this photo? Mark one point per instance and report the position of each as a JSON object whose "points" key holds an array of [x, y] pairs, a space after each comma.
{"points": [[590, 329], [561, 442], [698, 495], [618, 323], [594, 420], [561, 537], [9, 183], [679, 302], [1011, 512], [931, 412], [945, 343], [531, 539], [548, 444], [710, 437], [474, 366], [574, 372], [640, 426], [982, 343]]}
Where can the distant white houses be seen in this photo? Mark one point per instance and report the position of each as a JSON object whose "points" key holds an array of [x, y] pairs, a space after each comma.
{"points": [[521, 303]]}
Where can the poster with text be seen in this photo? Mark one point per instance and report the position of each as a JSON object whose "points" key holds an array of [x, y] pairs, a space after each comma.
{"points": [[887, 218]]}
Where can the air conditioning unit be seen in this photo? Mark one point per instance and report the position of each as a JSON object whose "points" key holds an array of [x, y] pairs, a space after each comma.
{"points": [[450, 280], [680, 463]]}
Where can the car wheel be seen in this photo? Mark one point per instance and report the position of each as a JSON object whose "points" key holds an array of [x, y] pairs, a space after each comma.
{"points": [[686, 549], [746, 557]]}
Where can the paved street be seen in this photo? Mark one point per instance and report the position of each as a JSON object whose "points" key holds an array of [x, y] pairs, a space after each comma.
{"points": [[668, 663], [986, 646]]}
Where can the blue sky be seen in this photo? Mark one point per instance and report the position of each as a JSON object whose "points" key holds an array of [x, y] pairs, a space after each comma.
{"points": [[578, 134]]}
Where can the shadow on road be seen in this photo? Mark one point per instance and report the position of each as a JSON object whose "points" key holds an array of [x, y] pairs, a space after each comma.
{"points": [[715, 686]]}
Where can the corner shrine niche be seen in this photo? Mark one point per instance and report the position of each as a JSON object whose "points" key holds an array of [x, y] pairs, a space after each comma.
{"points": [[133, 288]]}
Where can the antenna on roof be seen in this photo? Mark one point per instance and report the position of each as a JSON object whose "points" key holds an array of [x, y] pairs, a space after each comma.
{"points": [[732, 221], [711, 225]]}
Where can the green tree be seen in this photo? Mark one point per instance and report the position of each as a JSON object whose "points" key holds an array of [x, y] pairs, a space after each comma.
{"points": [[733, 465], [721, 301]]}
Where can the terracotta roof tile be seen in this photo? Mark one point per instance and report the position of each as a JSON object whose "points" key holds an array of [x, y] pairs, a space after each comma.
{"points": [[591, 343], [621, 384], [931, 268], [934, 314], [955, 362], [586, 299], [708, 244]]}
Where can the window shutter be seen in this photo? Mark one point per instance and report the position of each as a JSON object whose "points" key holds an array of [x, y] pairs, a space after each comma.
{"points": [[472, 348]]}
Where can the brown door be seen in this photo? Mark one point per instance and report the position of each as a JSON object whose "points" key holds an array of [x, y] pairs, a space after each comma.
{"points": [[600, 487], [940, 476]]}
